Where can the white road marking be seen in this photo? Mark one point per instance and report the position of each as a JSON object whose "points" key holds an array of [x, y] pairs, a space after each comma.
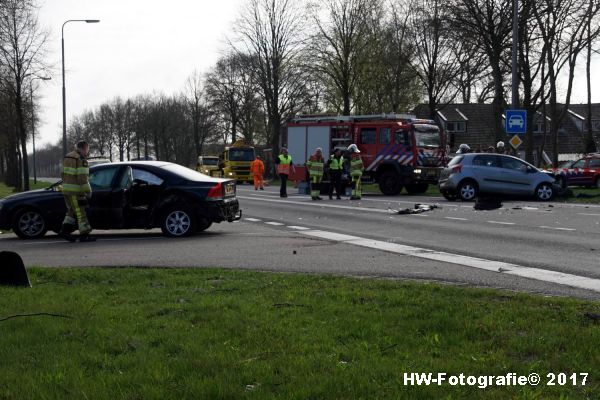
{"points": [[99, 239], [274, 223], [557, 229], [298, 228], [313, 204], [253, 219], [500, 223], [591, 215], [456, 219], [479, 263]]}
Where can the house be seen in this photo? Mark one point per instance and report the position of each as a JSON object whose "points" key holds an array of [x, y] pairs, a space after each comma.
{"points": [[473, 124]]}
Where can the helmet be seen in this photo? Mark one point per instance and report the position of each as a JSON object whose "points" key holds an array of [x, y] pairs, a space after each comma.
{"points": [[319, 150], [500, 144], [463, 148], [353, 148]]}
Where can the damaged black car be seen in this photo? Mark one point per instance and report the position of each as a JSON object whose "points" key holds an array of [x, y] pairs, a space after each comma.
{"points": [[130, 195]]}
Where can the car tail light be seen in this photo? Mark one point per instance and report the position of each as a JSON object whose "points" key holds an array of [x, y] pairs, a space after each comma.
{"points": [[215, 192], [456, 169]]}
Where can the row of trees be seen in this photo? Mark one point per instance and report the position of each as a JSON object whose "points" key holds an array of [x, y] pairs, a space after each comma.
{"points": [[22, 44], [345, 56]]}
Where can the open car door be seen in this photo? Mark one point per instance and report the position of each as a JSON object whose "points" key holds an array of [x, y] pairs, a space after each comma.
{"points": [[111, 189]]}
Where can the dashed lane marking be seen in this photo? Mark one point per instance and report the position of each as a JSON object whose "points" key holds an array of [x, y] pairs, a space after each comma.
{"points": [[557, 229], [298, 228], [479, 263], [456, 219], [253, 219], [500, 223], [274, 223]]}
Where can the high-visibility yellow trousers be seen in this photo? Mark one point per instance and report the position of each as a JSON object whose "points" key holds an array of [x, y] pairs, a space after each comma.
{"points": [[76, 214], [356, 187]]}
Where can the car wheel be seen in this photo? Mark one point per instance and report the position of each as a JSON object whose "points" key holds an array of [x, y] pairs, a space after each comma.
{"points": [[418, 188], [449, 196], [203, 224], [29, 224], [178, 221], [389, 183], [467, 190], [544, 191]]}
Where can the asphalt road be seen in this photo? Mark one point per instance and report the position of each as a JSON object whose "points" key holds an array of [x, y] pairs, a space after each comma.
{"points": [[547, 248]]}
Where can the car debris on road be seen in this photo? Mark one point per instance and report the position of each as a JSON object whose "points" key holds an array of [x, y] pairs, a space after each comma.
{"points": [[418, 209]]}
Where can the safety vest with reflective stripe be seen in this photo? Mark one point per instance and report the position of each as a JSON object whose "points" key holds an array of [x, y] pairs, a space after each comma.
{"points": [[315, 166], [356, 166], [336, 164], [75, 174], [284, 164]]}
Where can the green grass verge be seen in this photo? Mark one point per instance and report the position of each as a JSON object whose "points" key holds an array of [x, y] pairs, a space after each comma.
{"points": [[8, 190], [212, 334]]}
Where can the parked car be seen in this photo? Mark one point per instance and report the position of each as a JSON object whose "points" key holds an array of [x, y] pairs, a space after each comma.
{"points": [[583, 172], [468, 175], [97, 161], [130, 195]]}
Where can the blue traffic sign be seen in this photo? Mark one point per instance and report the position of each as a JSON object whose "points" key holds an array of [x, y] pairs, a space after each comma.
{"points": [[516, 121]]}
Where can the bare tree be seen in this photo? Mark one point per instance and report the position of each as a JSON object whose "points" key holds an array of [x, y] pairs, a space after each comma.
{"points": [[271, 31], [563, 28], [490, 23], [199, 113], [434, 63], [21, 54], [342, 45]]}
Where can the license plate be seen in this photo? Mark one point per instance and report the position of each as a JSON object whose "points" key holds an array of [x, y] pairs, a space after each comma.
{"points": [[229, 190]]}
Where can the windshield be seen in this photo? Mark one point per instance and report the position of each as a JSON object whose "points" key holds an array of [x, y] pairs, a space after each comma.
{"points": [[241, 154], [209, 161], [427, 139]]}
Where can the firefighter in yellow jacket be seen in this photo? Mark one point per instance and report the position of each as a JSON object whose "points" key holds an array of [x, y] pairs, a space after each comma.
{"points": [[77, 192], [315, 170], [356, 171]]}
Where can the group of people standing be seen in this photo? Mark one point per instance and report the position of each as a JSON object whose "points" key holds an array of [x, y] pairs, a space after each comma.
{"points": [[335, 167], [317, 167], [499, 149]]}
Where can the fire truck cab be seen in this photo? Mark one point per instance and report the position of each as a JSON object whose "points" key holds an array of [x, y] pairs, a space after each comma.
{"points": [[398, 150]]}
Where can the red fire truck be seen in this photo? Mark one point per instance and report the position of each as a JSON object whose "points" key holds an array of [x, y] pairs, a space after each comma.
{"points": [[398, 150]]}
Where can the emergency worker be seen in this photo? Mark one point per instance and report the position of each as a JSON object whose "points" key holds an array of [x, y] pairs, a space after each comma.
{"points": [[356, 171], [463, 149], [315, 165], [500, 148], [336, 167], [77, 193], [284, 168], [257, 168]]}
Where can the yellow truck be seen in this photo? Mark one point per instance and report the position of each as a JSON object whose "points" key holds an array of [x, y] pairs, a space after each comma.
{"points": [[208, 165], [235, 161]]}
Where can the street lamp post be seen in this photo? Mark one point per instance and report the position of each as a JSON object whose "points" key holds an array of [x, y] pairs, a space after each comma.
{"points": [[43, 78], [64, 108], [515, 63]]}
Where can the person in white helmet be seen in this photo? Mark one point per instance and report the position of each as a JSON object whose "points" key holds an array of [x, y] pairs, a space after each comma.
{"points": [[500, 148], [463, 149], [356, 170]]}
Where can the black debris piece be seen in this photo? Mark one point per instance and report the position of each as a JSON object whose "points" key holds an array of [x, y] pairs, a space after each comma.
{"points": [[418, 209], [12, 270], [487, 203]]}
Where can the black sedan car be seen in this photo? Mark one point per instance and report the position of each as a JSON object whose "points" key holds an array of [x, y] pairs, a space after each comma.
{"points": [[130, 195]]}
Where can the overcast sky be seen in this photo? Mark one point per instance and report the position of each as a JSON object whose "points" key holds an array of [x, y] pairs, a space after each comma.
{"points": [[142, 46]]}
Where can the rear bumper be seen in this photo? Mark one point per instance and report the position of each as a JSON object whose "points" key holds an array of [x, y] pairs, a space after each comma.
{"points": [[223, 210]]}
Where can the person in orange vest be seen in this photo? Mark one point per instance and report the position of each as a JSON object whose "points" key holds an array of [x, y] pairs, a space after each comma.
{"points": [[257, 167], [284, 167]]}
